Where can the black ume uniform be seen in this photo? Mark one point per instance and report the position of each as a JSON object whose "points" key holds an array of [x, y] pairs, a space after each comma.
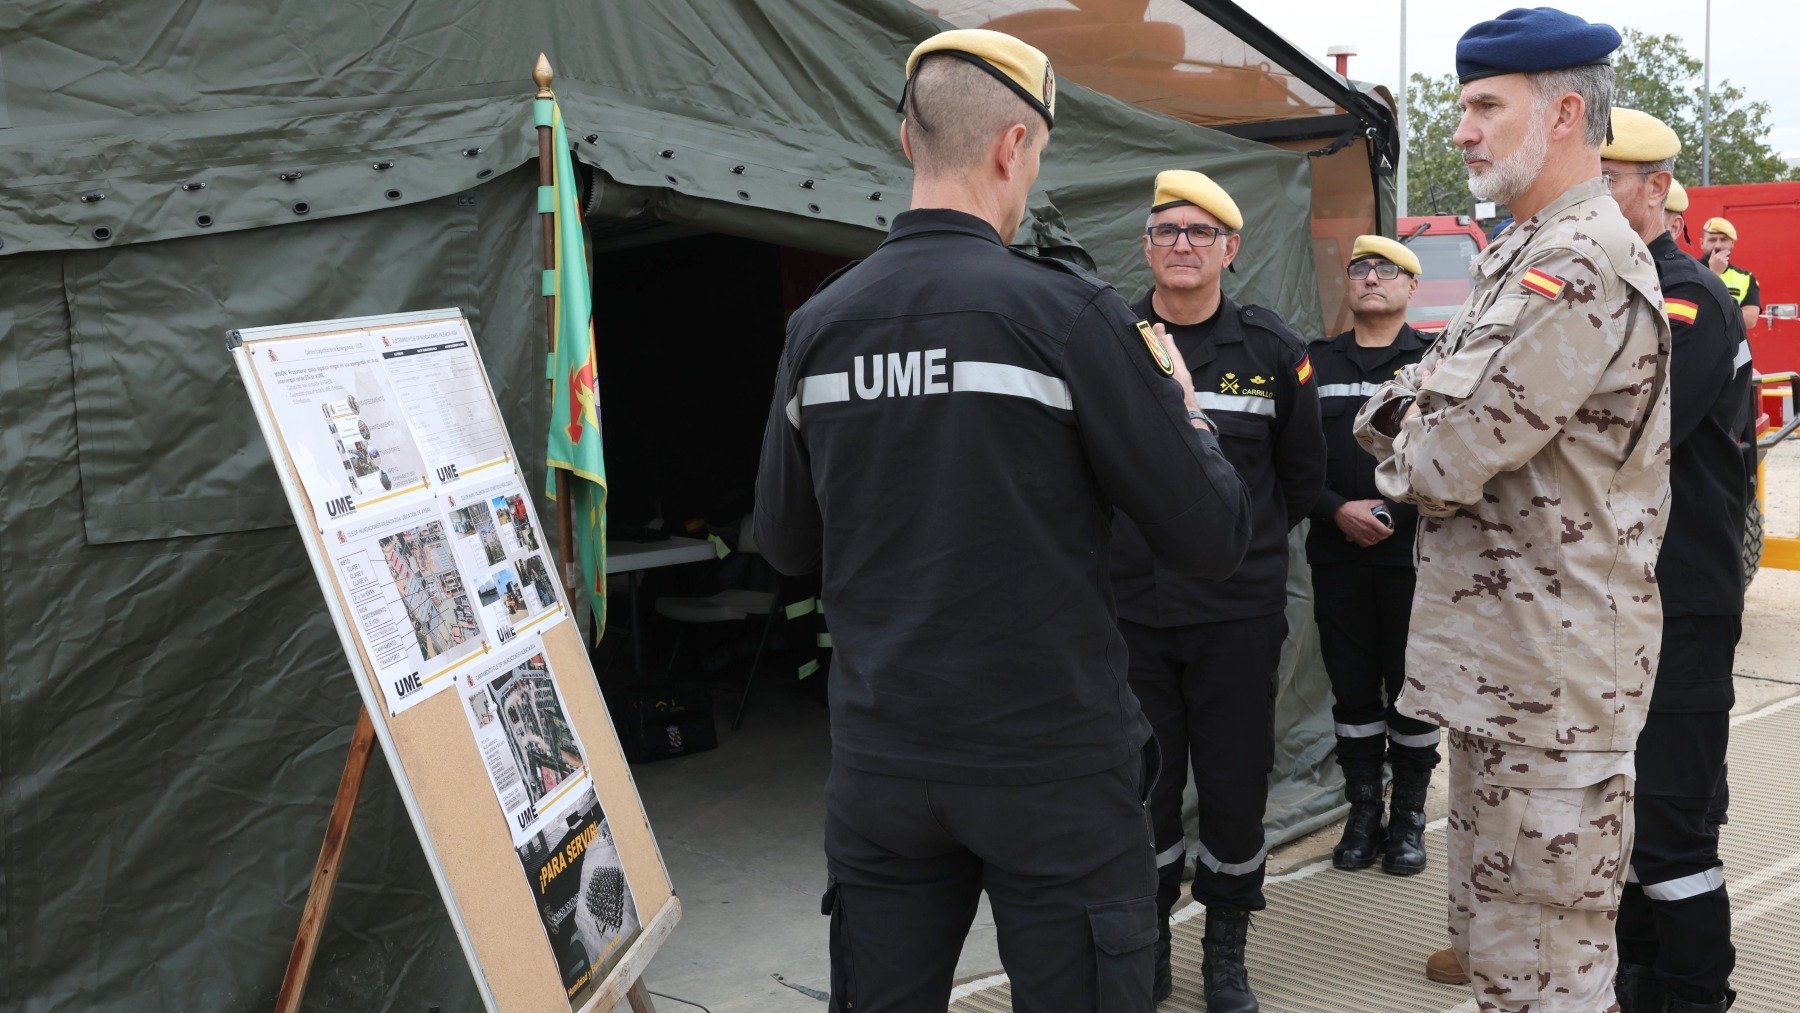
{"points": [[953, 423], [1204, 651], [1362, 597], [1675, 914]]}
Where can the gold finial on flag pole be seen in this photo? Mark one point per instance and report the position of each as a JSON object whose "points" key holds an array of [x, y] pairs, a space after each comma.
{"points": [[543, 75]]}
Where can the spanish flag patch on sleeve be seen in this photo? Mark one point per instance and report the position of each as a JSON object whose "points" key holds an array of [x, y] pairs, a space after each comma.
{"points": [[1681, 311], [1303, 371], [1547, 285]]}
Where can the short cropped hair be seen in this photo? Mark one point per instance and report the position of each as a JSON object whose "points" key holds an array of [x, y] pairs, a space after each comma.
{"points": [[953, 111], [1594, 85]]}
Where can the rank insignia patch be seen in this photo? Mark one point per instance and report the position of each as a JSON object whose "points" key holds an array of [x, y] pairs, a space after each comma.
{"points": [[1547, 285], [1157, 352], [1681, 311]]}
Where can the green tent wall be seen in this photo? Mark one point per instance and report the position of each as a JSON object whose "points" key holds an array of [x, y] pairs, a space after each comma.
{"points": [[174, 707]]}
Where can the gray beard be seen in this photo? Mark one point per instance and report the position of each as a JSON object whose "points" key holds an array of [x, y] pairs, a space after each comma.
{"points": [[1506, 179]]}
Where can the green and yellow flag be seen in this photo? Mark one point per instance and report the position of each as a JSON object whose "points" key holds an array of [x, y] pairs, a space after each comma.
{"points": [[574, 442]]}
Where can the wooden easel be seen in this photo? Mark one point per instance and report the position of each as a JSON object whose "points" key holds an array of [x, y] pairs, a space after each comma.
{"points": [[362, 738]]}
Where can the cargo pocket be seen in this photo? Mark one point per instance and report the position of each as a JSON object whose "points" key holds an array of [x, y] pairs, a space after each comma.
{"points": [[1123, 934], [1568, 846], [843, 970]]}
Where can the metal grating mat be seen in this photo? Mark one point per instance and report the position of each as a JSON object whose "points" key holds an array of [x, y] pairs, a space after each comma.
{"points": [[1335, 942]]}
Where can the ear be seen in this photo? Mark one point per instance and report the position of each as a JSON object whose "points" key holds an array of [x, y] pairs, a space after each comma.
{"points": [[1571, 116], [1412, 287], [1231, 248], [1656, 188], [1146, 241], [1009, 150], [905, 141]]}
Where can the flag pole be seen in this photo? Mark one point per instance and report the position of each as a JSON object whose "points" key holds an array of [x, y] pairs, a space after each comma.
{"points": [[565, 538]]}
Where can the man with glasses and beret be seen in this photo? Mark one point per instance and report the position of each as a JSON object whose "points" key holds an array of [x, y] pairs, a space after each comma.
{"points": [[1361, 550], [953, 423], [1204, 652], [1675, 951]]}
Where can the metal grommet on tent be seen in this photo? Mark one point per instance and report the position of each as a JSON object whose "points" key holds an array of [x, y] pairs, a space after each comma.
{"points": [[672, 180], [392, 195], [203, 220], [192, 185], [386, 163], [743, 195], [592, 138], [737, 170], [814, 208], [808, 185], [301, 207], [483, 174], [289, 177], [881, 219], [875, 196], [92, 196], [471, 152], [102, 233]]}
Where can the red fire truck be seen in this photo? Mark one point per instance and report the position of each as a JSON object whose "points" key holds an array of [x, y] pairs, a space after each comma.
{"points": [[1446, 245]]}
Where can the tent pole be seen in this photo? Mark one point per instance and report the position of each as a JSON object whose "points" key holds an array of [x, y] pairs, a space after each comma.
{"points": [[565, 527], [330, 863]]}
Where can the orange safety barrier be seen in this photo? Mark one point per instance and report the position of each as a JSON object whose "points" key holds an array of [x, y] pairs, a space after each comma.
{"points": [[1782, 553]]}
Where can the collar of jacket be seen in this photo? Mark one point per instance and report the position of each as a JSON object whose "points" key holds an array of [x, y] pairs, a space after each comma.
{"points": [[929, 221], [1499, 256], [1227, 332]]}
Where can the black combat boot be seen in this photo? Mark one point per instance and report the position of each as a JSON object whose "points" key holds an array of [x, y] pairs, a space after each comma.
{"points": [[1636, 988], [1227, 982], [1361, 843], [1405, 851], [1677, 1004], [1163, 984]]}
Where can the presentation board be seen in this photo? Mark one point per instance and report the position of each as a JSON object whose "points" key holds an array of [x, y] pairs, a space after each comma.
{"points": [[442, 584]]}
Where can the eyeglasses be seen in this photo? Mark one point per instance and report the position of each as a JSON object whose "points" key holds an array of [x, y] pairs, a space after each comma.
{"points": [[1199, 236], [1383, 270], [1609, 175]]}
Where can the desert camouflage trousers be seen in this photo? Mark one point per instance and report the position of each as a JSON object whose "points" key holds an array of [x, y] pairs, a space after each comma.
{"points": [[1538, 844]]}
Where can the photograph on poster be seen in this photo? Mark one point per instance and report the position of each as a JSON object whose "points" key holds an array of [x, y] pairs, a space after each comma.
{"points": [[407, 597], [583, 897], [341, 422], [522, 730], [496, 539]]}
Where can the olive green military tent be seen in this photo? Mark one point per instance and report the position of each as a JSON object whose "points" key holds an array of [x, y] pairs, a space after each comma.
{"points": [[174, 707]]}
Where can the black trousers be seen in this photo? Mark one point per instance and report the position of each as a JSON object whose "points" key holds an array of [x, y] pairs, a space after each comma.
{"points": [[1209, 692], [1066, 865], [1675, 912], [1363, 612]]}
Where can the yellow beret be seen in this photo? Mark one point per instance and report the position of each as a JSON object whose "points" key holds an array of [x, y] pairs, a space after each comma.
{"points": [[1184, 186], [1388, 250], [1721, 226], [1677, 199], [1021, 67], [1640, 137]]}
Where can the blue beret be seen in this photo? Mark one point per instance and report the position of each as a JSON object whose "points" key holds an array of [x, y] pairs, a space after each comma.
{"points": [[1526, 41]]}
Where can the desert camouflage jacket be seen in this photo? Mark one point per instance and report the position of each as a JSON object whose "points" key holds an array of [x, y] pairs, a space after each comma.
{"points": [[1539, 461]]}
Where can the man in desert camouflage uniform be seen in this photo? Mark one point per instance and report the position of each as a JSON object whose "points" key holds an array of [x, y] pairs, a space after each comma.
{"points": [[1534, 439]]}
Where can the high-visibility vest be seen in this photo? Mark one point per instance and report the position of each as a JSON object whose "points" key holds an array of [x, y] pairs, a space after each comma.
{"points": [[1738, 282]]}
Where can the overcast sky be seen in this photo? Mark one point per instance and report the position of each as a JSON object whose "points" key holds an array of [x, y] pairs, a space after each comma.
{"points": [[1755, 46]]}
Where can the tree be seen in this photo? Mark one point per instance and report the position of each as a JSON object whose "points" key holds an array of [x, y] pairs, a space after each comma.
{"points": [[1655, 73]]}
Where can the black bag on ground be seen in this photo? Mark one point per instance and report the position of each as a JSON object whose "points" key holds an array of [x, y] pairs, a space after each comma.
{"points": [[658, 721]]}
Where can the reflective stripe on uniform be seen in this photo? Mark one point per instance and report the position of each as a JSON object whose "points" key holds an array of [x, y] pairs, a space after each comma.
{"points": [[1235, 403], [824, 388], [1171, 854], [1422, 740], [1000, 378], [966, 377], [1681, 889], [1743, 356], [1360, 731], [1348, 389], [1206, 858]]}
